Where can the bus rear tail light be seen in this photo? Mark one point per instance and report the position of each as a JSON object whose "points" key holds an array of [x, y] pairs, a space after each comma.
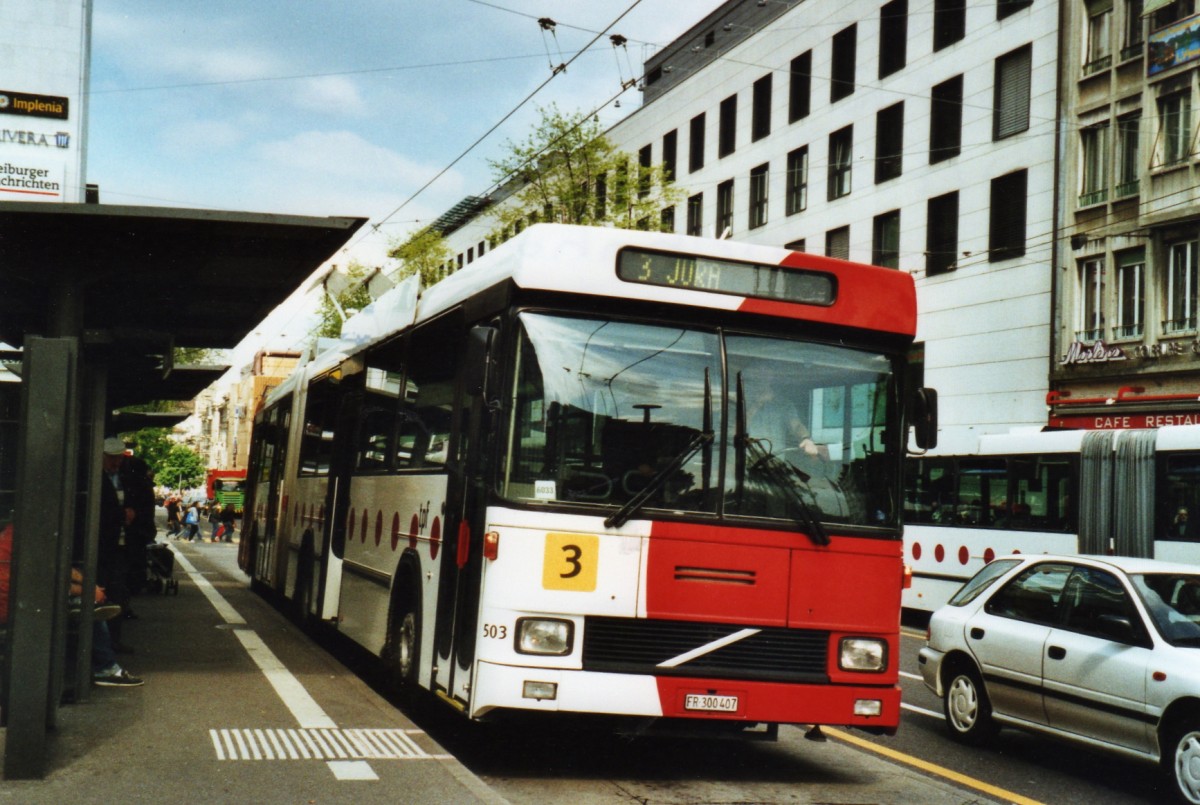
{"points": [[906, 578], [491, 545]]}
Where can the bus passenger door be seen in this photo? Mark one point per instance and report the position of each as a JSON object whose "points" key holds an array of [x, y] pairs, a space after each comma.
{"points": [[460, 571], [331, 544]]}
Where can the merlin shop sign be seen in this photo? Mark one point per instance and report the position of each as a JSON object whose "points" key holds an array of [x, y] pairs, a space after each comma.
{"points": [[29, 105], [1098, 352]]}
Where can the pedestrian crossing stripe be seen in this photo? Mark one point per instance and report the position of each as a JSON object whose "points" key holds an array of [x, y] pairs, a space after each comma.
{"points": [[317, 744]]}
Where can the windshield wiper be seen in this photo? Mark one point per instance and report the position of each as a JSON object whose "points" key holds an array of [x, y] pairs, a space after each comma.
{"points": [[780, 475], [621, 516]]}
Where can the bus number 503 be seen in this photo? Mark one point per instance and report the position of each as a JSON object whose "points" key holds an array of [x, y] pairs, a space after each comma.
{"points": [[570, 562]]}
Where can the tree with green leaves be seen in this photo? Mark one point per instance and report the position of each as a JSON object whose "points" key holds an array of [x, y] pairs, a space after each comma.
{"points": [[172, 464], [425, 254], [350, 301], [570, 172]]}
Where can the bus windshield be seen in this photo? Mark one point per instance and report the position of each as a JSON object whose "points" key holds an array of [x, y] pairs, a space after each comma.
{"points": [[605, 412]]}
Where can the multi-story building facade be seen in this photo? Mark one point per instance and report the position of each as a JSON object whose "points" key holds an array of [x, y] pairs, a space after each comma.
{"points": [[917, 134], [1127, 345]]}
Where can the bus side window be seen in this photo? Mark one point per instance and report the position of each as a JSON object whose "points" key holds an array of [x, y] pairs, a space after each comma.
{"points": [[929, 491], [983, 493], [425, 418]]}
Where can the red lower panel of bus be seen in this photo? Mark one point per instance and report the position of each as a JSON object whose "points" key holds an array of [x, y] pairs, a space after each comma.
{"points": [[763, 578], [775, 702]]}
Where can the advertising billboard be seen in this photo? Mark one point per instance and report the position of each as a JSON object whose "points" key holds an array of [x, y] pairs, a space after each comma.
{"points": [[44, 51]]}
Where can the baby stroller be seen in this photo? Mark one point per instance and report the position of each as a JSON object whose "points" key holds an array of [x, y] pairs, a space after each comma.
{"points": [[160, 569]]}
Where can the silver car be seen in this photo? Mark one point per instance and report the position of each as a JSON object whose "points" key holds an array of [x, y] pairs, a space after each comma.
{"points": [[1104, 651]]}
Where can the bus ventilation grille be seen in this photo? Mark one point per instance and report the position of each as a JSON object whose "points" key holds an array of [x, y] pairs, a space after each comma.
{"points": [[642, 646]]}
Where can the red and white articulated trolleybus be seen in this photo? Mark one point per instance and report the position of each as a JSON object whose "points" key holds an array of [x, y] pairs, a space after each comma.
{"points": [[609, 472], [1130, 492]]}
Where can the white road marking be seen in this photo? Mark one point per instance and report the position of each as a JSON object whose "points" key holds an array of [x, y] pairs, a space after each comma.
{"points": [[293, 694]]}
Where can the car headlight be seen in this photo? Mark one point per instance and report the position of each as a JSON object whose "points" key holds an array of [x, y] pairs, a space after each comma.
{"points": [[549, 636], [862, 654]]}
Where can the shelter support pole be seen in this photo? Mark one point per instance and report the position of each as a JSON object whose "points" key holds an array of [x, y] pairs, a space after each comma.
{"points": [[43, 533]]}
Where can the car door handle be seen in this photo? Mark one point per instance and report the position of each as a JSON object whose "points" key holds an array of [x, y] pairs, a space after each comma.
{"points": [[976, 633], [1056, 652]]}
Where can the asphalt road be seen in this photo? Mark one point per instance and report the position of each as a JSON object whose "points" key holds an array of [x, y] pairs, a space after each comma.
{"points": [[568, 760]]}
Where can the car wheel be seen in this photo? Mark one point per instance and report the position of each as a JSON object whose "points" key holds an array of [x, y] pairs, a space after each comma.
{"points": [[968, 711], [1183, 763]]}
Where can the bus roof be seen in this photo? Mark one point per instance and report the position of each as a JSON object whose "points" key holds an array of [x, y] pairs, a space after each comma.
{"points": [[583, 260]]}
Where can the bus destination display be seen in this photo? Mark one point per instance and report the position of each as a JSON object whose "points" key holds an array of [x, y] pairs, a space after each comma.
{"points": [[728, 277]]}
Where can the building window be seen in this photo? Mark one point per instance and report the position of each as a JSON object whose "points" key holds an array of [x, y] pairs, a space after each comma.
{"points": [[1175, 129], [885, 242], [797, 181], [1131, 294], [1011, 99], [695, 215], [601, 200], [696, 143], [945, 120], [1005, 8], [845, 45], [889, 142], [644, 158], [941, 234], [1093, 186], [760, 119], [1006, 229], [667, 219], [758, 196], [670, 148], [837, 243], [725, 208], [797, 245], [841, 147], [1172, 12], [1098, 55], [1128, 174], [1091, 300], [949, 22], [1134, 39], [800, 87], [727, 127], [1181, 288], [893, 37]]}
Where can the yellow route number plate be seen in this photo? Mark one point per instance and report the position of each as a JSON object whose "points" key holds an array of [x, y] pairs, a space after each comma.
{"points": [[570, 562]]}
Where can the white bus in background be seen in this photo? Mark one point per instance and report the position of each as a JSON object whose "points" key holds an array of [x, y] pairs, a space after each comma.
{"points": [[1127, 492]]}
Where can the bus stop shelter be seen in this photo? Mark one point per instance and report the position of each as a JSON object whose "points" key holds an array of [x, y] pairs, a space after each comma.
{"points": [[94, 299]]}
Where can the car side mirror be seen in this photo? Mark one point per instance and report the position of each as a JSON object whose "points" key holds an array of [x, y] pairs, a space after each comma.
{"points": [[1117, 627]]}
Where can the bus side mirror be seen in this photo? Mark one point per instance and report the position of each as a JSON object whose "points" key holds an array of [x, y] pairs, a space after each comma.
{"points": [[925, 418], [478, 363]]}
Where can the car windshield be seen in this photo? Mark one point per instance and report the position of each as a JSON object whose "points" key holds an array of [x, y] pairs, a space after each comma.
{"points": [[629, 416], [1173, 600], [981, 581]]}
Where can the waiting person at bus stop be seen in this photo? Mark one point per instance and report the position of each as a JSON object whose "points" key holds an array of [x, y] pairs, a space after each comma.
{"points": [[126, 527]]}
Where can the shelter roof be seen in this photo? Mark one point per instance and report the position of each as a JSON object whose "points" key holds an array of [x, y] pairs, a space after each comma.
{"points": [[201, 278]]}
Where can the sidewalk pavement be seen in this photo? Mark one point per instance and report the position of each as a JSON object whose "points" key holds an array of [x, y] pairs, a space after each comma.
{"points": [[238, 705]]}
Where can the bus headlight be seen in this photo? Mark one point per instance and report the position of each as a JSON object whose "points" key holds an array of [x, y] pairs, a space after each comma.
{"points": [[862, 654], [549, 636]]}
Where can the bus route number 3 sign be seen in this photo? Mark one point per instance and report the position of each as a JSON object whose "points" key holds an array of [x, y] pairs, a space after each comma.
{"points": [[570, 562]]}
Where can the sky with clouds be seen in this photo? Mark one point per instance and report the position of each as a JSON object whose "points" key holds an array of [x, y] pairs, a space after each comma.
{"points": [[345, 108]]}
